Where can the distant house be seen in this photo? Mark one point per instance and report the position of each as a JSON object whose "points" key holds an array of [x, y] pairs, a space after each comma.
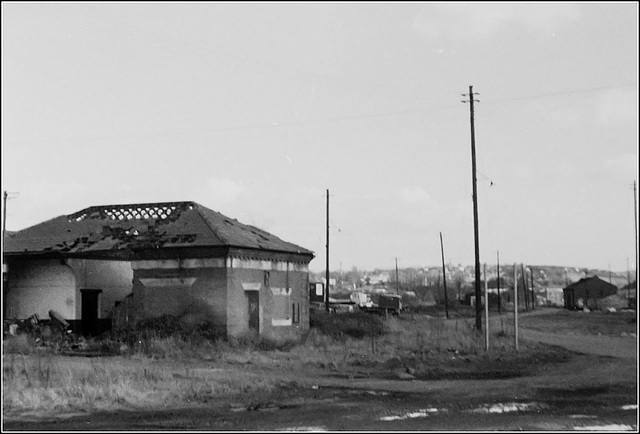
{"points": [[119, 264], [586, 292], [550, 296]]}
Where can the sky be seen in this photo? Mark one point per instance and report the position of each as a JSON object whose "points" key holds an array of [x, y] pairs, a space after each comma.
{"points": [[256, 110]]}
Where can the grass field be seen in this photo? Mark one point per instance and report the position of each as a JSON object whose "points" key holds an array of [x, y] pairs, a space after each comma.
{"points": [[171, 371]]}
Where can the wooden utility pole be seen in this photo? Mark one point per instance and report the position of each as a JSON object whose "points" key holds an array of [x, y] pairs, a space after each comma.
{"points": [[533, 293], [327, 270], [397, 279], [498, 272], [6, 195], [635, 220], [4, 215], [475, 208], [629, 284], [524, 287], [486, 310], [444, 279], [515, 303]]}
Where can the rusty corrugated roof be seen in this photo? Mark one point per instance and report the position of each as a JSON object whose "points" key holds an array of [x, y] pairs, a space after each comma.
{"points": [[142, 226]]}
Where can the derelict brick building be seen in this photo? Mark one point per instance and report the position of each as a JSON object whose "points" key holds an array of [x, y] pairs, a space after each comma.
{"points": [[586, 292], [119, 264]]}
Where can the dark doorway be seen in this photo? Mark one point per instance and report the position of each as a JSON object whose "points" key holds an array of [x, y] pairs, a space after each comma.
{"points": [[254, 310], [90, 321]]}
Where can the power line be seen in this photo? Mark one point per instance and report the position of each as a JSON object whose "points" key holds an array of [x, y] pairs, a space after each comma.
{"points": [[562, 93], [308, 122]]}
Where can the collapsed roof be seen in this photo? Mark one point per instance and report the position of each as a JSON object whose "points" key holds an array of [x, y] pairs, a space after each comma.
{"points": [[138, 227]]}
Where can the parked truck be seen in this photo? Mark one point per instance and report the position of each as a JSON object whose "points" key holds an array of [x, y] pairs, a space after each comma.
{"points": [[380, 304], [318, 300]]}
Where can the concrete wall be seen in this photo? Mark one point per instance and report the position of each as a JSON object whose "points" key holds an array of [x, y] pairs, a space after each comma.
{"points": [[40, 285], [114, 278], [241, 281], [194, 289], [283, 296]]}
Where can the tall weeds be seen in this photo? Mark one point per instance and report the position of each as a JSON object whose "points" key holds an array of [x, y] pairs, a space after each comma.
{"points": [[155, 369]]}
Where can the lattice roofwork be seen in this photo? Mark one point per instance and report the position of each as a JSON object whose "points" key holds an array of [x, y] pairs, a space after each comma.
{"points": [[162, 211]]}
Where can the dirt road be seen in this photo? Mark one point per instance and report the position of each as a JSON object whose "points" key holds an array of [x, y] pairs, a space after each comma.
{"points": [[613, 346]]}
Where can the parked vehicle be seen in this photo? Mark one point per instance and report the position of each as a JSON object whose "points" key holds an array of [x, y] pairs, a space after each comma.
{"points": [[381, 304]]}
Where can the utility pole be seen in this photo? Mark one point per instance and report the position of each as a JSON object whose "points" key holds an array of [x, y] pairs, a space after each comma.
{"points": [[533, 293], [6, 195], [628, 283], [475, 208], [498, 272], [5, 275], [515, 304], [4, 215], [486, 309], [397, 279], [327, 271], [635, 220], [524, 287], [444, 278]]}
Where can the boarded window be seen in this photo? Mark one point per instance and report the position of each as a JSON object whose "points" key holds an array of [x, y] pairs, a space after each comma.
{"points": [[281, 303]]}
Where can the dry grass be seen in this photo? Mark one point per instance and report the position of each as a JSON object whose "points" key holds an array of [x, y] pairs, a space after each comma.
{"points": [[172, 371], [50, 383]]}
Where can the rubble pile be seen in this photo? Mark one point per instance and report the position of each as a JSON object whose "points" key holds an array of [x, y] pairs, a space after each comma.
{"points": [[54, 333]]}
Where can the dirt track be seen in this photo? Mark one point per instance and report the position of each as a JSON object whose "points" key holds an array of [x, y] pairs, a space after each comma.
{"points": [[619, 347]]}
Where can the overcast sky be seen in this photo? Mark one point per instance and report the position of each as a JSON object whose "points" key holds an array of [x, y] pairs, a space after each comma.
{"points": [[256, 109]]}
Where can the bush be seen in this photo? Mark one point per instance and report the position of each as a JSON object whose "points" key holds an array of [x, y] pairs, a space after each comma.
{"points": [[168, 326], [353, 324]]}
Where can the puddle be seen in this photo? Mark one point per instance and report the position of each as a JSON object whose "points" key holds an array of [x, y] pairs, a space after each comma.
{"points": [[306, 429], [630, 407], [376, 393], [508, 407], [582, 416], [613, 427], [412, 415]]}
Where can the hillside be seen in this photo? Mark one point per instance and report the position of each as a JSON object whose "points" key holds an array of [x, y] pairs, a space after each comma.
{"points": [[544, 276]]}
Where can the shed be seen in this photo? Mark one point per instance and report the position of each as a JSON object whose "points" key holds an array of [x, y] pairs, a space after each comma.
{"points": [[586, 292], [114, 265]]}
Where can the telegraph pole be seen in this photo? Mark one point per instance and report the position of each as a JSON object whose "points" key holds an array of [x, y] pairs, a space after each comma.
{"points": [[629, 284], [6, 195], [397, 279], [4, 214], [515, 304], [498, 272], [475, 208], [486, 309], [524, 288], [635, 211], [327, 270], [444, 278], [533, 293]]}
